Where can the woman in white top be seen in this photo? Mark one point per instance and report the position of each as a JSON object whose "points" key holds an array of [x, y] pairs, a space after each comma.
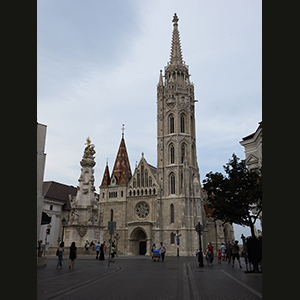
{"points": [[162, 251]]}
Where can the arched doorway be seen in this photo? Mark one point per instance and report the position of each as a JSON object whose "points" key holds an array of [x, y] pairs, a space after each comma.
{"points": [[138, 239]]}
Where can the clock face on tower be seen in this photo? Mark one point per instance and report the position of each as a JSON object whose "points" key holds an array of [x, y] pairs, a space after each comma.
{"points": [[142, 209]]}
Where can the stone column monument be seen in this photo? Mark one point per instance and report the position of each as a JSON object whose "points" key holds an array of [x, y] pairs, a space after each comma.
{"points": [[83, 221]]}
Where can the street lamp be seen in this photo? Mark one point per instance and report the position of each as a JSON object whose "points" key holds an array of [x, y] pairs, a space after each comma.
{"points": [[63, 223], [199, 229]]}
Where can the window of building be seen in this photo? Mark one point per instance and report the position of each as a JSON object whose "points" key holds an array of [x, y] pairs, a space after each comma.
{"points": [[182, 152], [172, 183], [113, 194], [171, 124], [138, 179], [146, 178], [172, 238], [181, 182], [172, 213], [182, 125], [172, 160]]}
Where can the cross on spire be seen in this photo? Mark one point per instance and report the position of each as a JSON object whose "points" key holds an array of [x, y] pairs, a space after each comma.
{"points": [[123, 129]]}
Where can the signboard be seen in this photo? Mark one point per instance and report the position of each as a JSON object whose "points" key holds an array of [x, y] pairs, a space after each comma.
{"points": [[112, 227]]}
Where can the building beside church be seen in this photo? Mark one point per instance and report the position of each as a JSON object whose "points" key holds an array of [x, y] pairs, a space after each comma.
{"points": [[253, 152], [253, 148]]}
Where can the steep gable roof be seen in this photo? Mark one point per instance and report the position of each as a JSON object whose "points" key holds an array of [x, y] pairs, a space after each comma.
{"points": [[147, 167], [106, 178], [122, 170]]}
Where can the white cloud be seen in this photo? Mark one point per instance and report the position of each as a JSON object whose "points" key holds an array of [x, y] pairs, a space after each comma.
{"points": [[99, 72]]}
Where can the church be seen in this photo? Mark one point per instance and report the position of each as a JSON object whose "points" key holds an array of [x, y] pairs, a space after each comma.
{"points": [[152, 204]]}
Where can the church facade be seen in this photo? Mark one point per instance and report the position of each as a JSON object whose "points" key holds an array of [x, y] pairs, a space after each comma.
{"points": [[153, 204], [163, 203]]}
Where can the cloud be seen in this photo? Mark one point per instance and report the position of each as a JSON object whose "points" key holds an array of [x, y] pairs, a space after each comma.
{"points": [[98, 67]]}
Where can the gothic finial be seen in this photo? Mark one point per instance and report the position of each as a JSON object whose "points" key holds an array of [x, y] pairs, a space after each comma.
{"points": [[123, 129], [160, 78], [175, 19]]}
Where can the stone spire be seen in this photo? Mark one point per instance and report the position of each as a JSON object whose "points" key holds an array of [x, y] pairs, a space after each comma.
{"points": [[176, 56]]}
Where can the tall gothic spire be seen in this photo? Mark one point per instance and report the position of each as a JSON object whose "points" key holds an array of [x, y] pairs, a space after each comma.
{"points": [[176, 56]]}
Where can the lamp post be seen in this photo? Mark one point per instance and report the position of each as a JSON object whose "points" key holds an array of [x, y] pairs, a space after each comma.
{"points": [[199, 228], [63, 223]]}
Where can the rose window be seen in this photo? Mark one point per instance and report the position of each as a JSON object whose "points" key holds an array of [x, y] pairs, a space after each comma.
{"points": [[142, 209]]}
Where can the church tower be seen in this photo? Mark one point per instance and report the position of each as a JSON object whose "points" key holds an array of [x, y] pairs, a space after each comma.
{"points": [[177, 169]]}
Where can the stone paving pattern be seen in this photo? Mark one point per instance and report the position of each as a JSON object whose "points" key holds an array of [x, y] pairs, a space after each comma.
{"points": [[138, 277]]}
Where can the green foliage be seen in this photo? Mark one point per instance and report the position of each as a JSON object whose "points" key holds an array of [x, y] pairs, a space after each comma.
{"points": [[232, 196]]}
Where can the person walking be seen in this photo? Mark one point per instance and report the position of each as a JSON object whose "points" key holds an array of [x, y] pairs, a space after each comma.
{"points": [[101, 257], [97, 249], [152, 250], [60, 251], [219, 256], [162, 251], [72, 255], [86, 247], [228, 251], [235, 253], [210, 253], [223, 251], [113, 252]]}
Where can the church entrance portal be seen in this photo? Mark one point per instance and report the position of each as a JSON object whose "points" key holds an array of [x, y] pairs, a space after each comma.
{"points": [[143, 248], [138, 241]]}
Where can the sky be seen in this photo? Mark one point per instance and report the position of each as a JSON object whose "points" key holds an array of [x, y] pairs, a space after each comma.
{"points": [[98, 66]]}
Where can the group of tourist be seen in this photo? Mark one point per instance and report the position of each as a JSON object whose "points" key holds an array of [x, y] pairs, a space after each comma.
{"points": [[225, 252], [72, 255], [100, 252], [162, 249]]}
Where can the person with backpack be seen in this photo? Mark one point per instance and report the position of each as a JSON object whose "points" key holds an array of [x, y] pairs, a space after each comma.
{"points": [[235, 253], [59, 253]]}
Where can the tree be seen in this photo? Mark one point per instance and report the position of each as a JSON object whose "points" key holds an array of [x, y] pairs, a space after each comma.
{"points": [[233, 196]]}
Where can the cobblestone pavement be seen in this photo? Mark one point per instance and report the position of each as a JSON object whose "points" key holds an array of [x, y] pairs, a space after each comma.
{"points": [[138, 277]]}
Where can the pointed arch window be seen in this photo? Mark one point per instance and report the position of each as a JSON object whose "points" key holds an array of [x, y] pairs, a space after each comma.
{"points": [[172, 151], [181, 182], [182, 125], [182, 152], [138, 179], [171, 124], [172, 215], [172, 183], [146, 178]]}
